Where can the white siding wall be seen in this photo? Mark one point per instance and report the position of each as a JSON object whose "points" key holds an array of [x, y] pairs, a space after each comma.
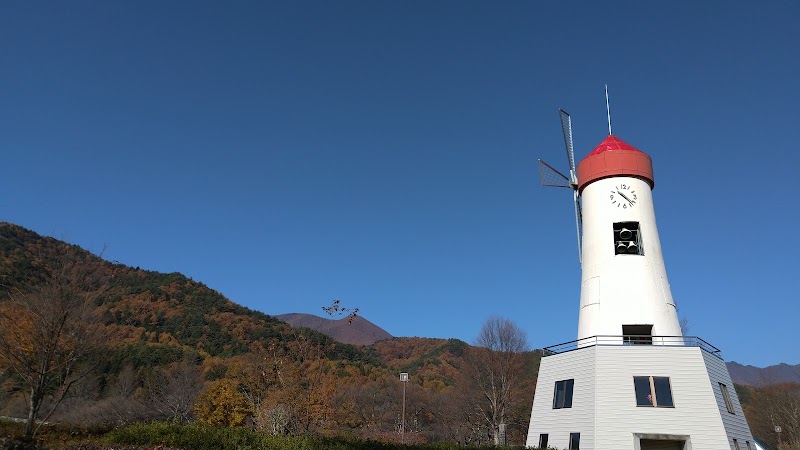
{"points": [[604, 407], [735, 424], [559, 423], [695, 413]]}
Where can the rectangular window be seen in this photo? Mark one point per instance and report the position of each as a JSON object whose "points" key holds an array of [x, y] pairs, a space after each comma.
{"points": [[736, 444], [627, 239], [563, 394], [643, 395], [574, 441], [727, 396], [568, 393], [653, 391], [663, 392], [543, 440]]}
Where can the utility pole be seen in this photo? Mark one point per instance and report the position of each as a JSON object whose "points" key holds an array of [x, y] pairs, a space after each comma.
{"points": [[404, 380]]}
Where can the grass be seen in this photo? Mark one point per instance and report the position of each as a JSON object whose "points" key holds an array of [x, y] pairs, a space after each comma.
{"points": [[197, 437], [53, 436]]}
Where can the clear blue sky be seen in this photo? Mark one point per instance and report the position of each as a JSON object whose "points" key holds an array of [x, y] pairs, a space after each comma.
{"points": [[384, 153]]}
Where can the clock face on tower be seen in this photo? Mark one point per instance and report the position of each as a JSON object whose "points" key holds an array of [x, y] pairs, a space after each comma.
{"points": [[623, 196]]}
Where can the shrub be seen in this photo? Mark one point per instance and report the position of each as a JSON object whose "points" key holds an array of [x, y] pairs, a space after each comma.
{"points": [[199, 437]]}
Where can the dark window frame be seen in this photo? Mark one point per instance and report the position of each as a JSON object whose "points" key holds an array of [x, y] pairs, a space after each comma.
{"points": [[648, 390], [543, 440], [726, 396], [574, 441], [563, 392]]}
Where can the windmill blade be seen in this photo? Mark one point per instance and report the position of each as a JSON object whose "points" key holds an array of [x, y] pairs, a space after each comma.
{"points": [[552, 177], [578, 224], [566, 129]]}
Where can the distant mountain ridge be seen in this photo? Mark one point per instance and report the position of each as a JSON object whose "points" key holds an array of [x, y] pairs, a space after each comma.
{"points": [[762, 376], [359, 331]]}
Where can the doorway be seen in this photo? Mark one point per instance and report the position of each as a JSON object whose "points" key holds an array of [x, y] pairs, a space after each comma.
{"points": [[660, 444], [637, 334]]}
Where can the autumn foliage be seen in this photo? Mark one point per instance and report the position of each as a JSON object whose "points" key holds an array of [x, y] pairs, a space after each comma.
{"points": [[86, 341], [774, 405], [222, 404]]}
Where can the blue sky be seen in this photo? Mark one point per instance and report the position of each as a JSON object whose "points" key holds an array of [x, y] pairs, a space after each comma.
{"points": [[384, 153]]}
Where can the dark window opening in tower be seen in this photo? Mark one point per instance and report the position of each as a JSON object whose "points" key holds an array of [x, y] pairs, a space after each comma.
{"points": [[637, 334], [627, 239]]}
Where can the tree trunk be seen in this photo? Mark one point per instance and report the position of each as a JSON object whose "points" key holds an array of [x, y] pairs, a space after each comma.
{"points": [[33, 410]]}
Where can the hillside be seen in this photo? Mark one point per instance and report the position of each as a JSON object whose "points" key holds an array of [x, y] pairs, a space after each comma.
{"points": [[356, 331], [174, 349], [151, 308]]}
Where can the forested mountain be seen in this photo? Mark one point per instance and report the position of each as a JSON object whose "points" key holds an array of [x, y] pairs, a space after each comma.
{"points": [[155, 345], [148, 307]]}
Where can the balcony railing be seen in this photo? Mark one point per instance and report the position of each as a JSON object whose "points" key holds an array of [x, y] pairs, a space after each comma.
{"points": [[633, 340]]}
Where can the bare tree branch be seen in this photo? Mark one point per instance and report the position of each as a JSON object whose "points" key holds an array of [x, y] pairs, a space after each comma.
{"points": [[48, 328], [497, 364]]}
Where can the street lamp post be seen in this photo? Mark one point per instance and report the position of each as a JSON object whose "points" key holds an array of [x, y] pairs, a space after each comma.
{"points": [[404, 380]]}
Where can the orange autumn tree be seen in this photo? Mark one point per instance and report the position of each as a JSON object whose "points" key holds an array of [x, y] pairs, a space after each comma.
{"points": [[222, 404], [290, 383], [47, 332]]}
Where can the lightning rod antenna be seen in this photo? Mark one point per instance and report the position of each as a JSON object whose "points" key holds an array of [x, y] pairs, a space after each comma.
{"points": [[608, 112]]}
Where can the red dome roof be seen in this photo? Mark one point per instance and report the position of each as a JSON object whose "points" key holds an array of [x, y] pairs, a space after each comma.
{"points": [[614, 157], [612, 143]]}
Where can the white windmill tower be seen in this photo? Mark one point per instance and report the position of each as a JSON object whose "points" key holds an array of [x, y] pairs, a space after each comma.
{"points": [[630, 380]]}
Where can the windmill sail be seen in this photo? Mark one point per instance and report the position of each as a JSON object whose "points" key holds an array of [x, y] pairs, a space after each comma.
{"points": [[566, 129], [578, 224], [549, 176]]}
